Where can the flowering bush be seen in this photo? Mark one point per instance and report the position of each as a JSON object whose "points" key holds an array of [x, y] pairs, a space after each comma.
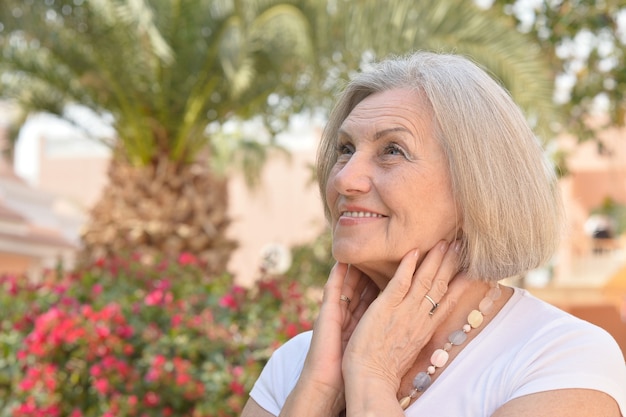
{"points": [[121, 338]]}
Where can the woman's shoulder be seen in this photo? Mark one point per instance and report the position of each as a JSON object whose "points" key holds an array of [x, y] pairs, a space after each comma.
{"points": [[538, 313], [549, 348], [540, 327], [292, 353], [281, 373]]}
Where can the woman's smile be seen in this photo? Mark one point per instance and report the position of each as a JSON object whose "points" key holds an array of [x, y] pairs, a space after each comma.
{"points": [[356, 215]]}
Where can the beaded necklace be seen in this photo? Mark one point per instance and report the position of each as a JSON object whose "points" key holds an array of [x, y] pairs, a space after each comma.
{"points": [[440, 356]]}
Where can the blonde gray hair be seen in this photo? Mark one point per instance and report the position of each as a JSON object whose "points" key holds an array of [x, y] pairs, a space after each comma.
{"points": [[506, 188]]}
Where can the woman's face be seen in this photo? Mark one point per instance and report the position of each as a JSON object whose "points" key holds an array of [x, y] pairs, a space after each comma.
{"points": [[389, 191]]}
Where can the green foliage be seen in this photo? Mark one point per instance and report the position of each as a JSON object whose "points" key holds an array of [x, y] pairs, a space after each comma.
{"points": [[371, 31], [162, 69], [585, 42], [311, 263], [122, 338], [615, 211]]}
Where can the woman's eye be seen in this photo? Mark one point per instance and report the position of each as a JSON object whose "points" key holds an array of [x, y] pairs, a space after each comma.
{"points": [[393, 149], [345, 149]]}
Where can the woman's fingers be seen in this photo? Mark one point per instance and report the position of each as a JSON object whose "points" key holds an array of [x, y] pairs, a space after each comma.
{"points": [[352, 285], [400, 283], [458, 286], [430, 278], [346, 285], [334, 284], [368, 295], [433, 265], [433, 276]]}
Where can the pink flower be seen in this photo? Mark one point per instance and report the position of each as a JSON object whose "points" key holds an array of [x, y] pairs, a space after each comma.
{"points": [[125, 332], [159, 296], [86, 310], [103, 332], [152, 375], [237, 388], [177, 319], [151, 399], [187, 258], [49, 377], [27, 408], [109, 361], [27, 384], [159, 360], [237, 371], [154, 298], [96, 290], [228, 301], [291, 330], [101, 385], [95, 371]]}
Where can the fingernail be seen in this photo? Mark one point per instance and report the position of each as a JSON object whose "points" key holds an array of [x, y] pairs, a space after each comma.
{"points": [[457, 246], [443, 246]]}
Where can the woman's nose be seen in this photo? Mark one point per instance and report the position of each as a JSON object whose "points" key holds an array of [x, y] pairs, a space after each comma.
{"points": [[354, 177]]}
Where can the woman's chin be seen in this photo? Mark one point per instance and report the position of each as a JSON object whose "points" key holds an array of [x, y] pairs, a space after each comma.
{"points": [[379, 272], [345, 256]]}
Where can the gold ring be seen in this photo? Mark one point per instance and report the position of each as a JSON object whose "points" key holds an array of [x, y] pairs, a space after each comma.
{"points": [[435, 305], [345, 298]]}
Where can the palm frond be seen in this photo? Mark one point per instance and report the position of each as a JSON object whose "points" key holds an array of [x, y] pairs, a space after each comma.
{"points": [[460, 27], [164, 69]]}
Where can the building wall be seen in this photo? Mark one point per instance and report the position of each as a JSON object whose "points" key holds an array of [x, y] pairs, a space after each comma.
{"points": [[285, 210], [79, 179], [593, 177], [15, 264]]}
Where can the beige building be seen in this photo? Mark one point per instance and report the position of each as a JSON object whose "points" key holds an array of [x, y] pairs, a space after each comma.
{"points": [[33, 224]]}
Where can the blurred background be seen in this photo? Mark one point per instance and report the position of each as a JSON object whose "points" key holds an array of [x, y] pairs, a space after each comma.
{"points": [[139, 136]]}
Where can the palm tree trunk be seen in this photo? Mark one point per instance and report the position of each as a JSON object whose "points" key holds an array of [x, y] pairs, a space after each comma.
{"points": [[160, 211]]}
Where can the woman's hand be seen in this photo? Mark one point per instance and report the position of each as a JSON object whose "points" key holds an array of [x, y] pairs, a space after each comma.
{"points": [[321, 382], [395, 328]]}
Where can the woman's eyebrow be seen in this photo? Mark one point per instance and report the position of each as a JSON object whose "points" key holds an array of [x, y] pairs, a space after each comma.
{"points": [[385, 132], [377, 135]]}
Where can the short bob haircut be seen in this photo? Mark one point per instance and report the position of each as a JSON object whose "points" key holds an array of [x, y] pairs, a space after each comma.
{"points": [[506, 188]]}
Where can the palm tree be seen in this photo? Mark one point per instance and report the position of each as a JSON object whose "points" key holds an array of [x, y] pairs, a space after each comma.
{"points": [[163, 70]]}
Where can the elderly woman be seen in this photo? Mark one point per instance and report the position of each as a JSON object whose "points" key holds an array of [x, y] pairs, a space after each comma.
{"points": [[436, 188]]}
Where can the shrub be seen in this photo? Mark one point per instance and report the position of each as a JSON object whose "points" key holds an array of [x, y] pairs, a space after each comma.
{"points": [[121, 338], [312, 261]]}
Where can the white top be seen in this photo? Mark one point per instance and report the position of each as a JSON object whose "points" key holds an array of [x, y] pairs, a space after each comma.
{"points": [[529, 347]]}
